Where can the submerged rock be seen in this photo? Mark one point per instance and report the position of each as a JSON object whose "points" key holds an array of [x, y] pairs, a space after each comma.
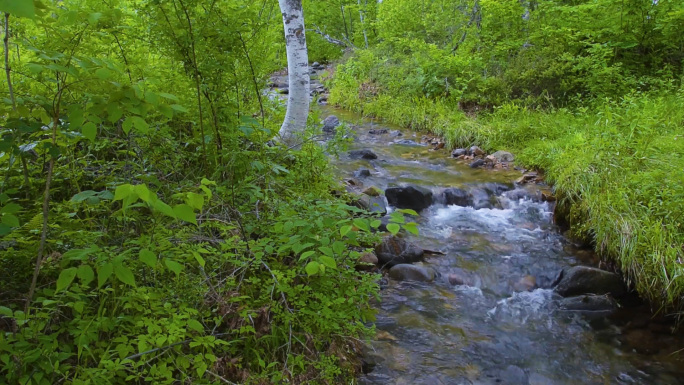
{"points": [[394, 250], [590, 305], [458, 197], [588, 280], [396, 133], [406, 272], [409, 197], [362, 154], [406, 142], [330, 123], [477, 163], [377, 131], [362, 173]]}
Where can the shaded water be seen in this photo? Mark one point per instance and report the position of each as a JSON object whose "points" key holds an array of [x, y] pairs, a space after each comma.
{"points": [[493, 331]]}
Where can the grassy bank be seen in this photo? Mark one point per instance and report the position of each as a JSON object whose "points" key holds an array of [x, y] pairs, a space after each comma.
{"points": [[617, 165]]}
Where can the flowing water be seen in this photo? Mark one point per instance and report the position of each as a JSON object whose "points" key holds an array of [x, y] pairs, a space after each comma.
{"points": [[493, 331], [497, 329]]}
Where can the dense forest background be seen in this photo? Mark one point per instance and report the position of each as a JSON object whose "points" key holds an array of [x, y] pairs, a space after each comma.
{"points": [[153, 232]]}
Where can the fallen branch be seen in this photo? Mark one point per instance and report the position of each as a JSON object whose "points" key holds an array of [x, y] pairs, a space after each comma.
{"points": [[344, 43]]}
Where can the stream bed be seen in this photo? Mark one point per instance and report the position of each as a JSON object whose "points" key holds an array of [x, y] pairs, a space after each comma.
{"points": [[505, 325]]}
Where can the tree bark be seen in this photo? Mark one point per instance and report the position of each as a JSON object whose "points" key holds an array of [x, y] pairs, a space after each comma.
{"points": [[298, 72]]}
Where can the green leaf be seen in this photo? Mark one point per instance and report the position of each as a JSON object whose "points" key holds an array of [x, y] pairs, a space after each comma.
{"points": [[86, 274], [344, 230], [140, 124], [411, 227], [199, 259], [114, 112], [195, 325], [10, 208], [326, 250], [185, 213], [123, 191], [65, 278], [124, 275], [173, 266], [10, 220], [147, 257], [375, 223], [393, 228], [196, 201], [103, 73], [163, 208], [89, 130], [408, 212], [168, 96], [5, 311], [20, 8], [127, 125], [328, 261], [143, 192], [339, 247], [179, 108], [306, 255], [103, 273], [361, 224], [312, 268]]}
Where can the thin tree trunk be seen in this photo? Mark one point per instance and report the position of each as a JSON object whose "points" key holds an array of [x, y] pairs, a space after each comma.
{"points": [[7, 66], [298, 72], [363, 24]]}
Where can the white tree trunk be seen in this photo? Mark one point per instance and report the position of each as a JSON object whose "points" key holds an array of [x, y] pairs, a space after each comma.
{"points": [[298, 72], [363, 24]]}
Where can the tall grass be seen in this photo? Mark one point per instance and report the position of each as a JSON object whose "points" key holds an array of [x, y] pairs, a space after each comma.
{"points": [[619, 166]]}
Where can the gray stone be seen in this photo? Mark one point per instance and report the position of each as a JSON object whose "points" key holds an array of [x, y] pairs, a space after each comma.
{"points": [[458, 197], [394, 250], [588, 280], [458, 152], [503, 156], [396, 133], [477, 163], [589, 304], [362, 154], [377, 131], [362, 173], [330, 123], [406, 272], [409, 197], [374, 204], [406, 142], [475, 151]]}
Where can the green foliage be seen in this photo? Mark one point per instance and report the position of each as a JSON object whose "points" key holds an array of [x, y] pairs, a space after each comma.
{"points": [[180, 244]]}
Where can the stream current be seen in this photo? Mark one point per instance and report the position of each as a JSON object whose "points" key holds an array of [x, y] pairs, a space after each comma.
{"points": [[492, 331]]}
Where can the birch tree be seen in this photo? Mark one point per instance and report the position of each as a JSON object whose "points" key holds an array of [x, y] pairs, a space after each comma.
{"points": [[298, 72]]}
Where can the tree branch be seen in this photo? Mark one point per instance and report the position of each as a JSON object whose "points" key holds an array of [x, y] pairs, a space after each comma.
{"points": [[346, 43]]}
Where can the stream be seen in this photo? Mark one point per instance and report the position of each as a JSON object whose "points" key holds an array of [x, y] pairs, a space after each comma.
{"points": [[505, 325]]}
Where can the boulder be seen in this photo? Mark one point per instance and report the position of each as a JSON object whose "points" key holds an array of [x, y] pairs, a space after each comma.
{"points": [[527, 178], [409, 197], [362, 173], [377, 131], [362, 154], [458, 152], [394, 250], [588, 280], [503, 156], [475, 151], [374, 204], [477, 163], [494, 188], [406, 272], [367, 262], [330, 123], [458, 197], [373, 191]]}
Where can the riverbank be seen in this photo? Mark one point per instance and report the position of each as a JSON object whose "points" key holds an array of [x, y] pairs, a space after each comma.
{"points": [[614, 166]]}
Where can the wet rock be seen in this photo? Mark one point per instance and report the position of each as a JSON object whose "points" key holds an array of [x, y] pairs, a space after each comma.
{"points": [[475, 151], [362, 173], [373, 191], [323, 100], [518, 194], [526, 283], [477, 163], [374, 204], [458, 152], [496, 188], [588, 280], [367, 262], [409, 197], [394, 250], [406, 272], [642, 341], [396, 133], [457, 279], [284, 91], [362, 154], [330, 123], [377, 131], [406, 142], [458, 197], [590, 305], [511, 375], [439, 146], [527, 178], [545, 197], [490, 160], [503, 156]]}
